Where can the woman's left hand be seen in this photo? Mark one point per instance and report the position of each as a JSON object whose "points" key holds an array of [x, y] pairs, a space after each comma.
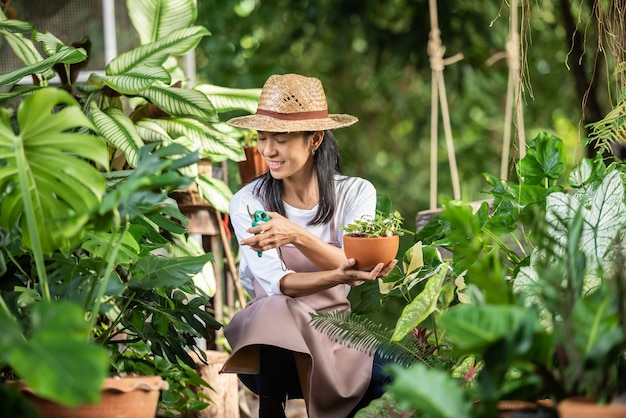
{"points": [[357, 277]]}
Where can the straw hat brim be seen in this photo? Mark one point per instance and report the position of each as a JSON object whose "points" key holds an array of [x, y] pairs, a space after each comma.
{"points": [[270, 124]]}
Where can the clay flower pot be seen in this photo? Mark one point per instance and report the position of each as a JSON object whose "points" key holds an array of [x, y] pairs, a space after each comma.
{"points": [[370, 251], [587, 408], [253, 166], [136, 396]]}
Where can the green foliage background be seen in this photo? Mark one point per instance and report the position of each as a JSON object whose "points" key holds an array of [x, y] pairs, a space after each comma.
{"points": [[372, 59]]}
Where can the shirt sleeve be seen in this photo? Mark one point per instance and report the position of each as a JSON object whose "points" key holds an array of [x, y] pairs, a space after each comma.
{"points": [[268, 268]]}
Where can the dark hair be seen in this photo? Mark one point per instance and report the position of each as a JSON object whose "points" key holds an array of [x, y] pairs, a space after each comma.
{"points": [[326, 162]]}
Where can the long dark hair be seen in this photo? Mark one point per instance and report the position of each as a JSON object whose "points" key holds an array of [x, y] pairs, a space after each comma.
{"points": [[327, 163]]}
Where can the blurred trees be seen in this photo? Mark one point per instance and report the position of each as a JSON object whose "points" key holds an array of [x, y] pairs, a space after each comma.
{"points": [[371, 57]]}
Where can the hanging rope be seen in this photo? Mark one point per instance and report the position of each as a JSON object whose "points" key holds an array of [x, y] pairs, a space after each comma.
{"points": [[437, 65], [513, 93]]}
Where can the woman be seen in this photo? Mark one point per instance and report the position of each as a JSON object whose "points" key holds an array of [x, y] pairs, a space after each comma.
{"points": [[293, 264]]}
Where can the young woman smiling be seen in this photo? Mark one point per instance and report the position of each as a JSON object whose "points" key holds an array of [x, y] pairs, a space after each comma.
{"points": [[293, 264]]}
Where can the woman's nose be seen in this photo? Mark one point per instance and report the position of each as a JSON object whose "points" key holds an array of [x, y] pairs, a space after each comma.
{"points": [[267, 149]]}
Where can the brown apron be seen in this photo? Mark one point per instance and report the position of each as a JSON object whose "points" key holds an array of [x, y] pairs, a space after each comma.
{"points": [[333, 377]]}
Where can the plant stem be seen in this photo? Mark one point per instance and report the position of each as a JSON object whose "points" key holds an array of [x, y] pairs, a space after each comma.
{"points": [[25, 178], [114, 247]]}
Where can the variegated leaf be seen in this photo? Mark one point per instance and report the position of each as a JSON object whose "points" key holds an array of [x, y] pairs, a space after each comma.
{"points": [[209, 142], [115, 127], [155, 19], [226, 99], [156, 53], [180, 102]]}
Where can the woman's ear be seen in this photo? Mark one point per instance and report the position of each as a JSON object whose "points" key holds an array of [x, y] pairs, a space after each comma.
{"points": [[316, 140]]}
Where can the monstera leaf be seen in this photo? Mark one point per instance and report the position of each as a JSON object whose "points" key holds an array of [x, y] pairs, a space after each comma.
{"points": [[47, 186]]}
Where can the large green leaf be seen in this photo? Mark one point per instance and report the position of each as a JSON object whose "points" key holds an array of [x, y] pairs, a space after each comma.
{"points": [[226, 99], [166, 272], [209, 142], [180, 102], [50, 188], [431, 391], [422, 306], [474, 328], [545, 160], [58, 361], [155, 19], [116, 128], [156, 53], [603, 216]]}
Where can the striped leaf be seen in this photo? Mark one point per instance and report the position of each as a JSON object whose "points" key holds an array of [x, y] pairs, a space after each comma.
{"points": [[209, 142], [215, 191], [134, 81], [65, 55], [15, 26], [155, 19], [151, 132], [116, 128], [181, 102], [156, 53], [226, 99]]}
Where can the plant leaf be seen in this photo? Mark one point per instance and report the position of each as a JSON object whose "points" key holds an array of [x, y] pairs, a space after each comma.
{"points": [[227, 99], [181, 102], [45, 155], [431, 391], [58, 361], [423, 305], [115, 127], [65, 55], [155, 19], [156, 53], [196, 136]]}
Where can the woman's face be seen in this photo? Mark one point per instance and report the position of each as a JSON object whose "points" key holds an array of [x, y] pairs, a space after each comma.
{"points": [[287, 154]]}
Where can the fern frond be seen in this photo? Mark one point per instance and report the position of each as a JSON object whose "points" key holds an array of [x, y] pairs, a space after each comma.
{"points": [[360, 333]]}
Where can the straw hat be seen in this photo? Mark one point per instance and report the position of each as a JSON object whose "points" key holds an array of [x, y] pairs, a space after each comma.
{"points": [[292, 103]]}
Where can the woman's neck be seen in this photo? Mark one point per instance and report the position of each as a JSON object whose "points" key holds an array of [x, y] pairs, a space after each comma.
{"points": [[301, 194]]}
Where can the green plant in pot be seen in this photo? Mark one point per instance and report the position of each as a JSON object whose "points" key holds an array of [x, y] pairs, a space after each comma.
{"points": [[551, 325], [374, 239], [87, 290]]}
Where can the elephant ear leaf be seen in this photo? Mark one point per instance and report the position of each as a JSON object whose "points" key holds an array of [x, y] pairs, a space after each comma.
{"points": [[48, 184]]}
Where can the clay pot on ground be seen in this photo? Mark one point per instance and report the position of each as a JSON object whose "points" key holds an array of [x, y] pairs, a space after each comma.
{"points": [[369, 251], [126, 397], [588, 408]]}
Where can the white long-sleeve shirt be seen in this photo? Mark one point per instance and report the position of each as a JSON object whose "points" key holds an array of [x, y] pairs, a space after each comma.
{"points": [[355, 197]]}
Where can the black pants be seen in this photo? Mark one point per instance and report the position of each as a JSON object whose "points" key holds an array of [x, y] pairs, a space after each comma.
{"points": [[278, 377]]}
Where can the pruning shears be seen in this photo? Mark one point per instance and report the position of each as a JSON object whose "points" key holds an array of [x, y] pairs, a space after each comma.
{"points": [[258, 217]]}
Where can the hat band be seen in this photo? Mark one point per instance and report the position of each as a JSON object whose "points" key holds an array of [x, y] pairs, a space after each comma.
{"points": [[313, 114]]}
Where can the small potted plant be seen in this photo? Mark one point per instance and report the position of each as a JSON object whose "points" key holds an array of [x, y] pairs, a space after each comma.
{"points": [[374, 239]]}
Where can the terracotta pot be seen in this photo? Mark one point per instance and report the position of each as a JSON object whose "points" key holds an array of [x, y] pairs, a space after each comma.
{"points": [[513, 408], [370, 251], [587, 408], [253, 166], [127, 397]]}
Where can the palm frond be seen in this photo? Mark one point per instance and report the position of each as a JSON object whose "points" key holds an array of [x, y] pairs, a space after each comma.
{"points": [[360, 333]]}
